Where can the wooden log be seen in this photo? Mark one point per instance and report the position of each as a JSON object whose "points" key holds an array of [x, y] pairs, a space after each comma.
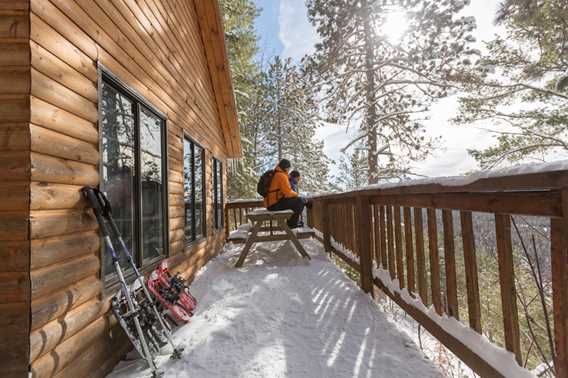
{"points": [[14, 26], [52, 66], [48, 223], [50, 364], [59, 145], [60, 171], [14, 165], [176, 211], [559, 265], [363, 237], [14, 54], [58, 276], [434, 260], [14, 80], [46, 196], [14, 255], [14, 287], [409, 250], [15, 196], [56, 119], [398, 244], [420, 258], [177, 235], [450, 264], [390, 241], [15, 109], [46, 252], [14, 226], [507, 283], [470, 262], [383, 237], [49, 307], [14, 328], [43, 340], [14, 137]]}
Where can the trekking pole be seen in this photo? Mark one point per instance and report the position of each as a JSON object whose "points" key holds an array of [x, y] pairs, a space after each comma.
{"points": [[94, 201], [104, 204]]}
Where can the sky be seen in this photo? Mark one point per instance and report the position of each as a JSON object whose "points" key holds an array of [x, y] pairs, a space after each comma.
{"points": [[284, 29]]}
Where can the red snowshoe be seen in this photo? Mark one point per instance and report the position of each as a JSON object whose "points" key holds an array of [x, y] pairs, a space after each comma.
{"points": [[172, 293]]}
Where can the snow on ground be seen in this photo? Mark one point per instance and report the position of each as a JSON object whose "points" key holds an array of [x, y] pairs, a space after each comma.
{"points": [[283, 316]]}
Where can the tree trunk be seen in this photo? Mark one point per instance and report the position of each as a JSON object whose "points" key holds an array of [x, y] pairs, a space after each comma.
{"points": [[370, 126]]}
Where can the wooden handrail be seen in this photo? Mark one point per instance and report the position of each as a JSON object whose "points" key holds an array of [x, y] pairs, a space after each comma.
{"points": [[383, 228]]}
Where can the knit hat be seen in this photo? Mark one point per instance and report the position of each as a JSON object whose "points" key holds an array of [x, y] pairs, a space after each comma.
{"points": [[284, 164]]}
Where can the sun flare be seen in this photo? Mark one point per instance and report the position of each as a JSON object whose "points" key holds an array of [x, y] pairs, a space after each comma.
{"points": [[395, 26]]}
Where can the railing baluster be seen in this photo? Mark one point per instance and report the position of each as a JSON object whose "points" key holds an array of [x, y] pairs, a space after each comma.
{"points": [[398, 244], [376, 234], [450, 264], [434, 260], [420, 259], [470, 263], [383, 237], [559, 262], [325, 222], [390, 241], [409, 250], [507, 282], [363, 233]]}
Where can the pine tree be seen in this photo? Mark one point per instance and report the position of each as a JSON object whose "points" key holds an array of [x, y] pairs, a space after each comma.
{"points": [[519, 87], [382, 86], [352, 170]]}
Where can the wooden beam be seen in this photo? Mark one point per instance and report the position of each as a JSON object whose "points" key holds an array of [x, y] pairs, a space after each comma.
{"points": [[420, 258], [471, 278], [398, 245], [434, 260], [409, 250], [450, 264], [363, 237]]}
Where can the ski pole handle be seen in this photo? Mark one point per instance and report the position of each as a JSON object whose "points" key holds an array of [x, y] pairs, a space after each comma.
{"points": [[93, 198]]}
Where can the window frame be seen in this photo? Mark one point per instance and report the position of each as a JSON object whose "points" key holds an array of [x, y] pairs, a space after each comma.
{"points": [[110, 279], [195, 240], [218, 212]]}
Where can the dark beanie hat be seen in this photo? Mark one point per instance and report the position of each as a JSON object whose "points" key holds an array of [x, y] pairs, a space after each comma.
{"points": [[284, 164]]}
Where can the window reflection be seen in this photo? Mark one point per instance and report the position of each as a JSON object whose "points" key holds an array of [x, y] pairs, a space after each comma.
{"points": [[194, 185]]}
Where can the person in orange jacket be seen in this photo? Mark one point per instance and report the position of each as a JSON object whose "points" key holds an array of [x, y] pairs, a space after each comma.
{"points": [[282, 197]]}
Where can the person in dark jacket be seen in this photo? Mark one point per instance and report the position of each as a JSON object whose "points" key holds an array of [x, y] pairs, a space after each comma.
{"points": [[282, 197], [294, 180]]}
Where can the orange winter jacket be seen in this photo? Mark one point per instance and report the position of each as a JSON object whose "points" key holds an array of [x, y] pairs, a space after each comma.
{"points": [[279, 188]]}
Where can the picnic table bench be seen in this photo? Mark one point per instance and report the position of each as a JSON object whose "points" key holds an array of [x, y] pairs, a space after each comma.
{"points": [[277, 230]]}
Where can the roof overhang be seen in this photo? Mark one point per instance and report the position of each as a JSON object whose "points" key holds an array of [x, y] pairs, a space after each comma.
{"points": [[213, 36]]}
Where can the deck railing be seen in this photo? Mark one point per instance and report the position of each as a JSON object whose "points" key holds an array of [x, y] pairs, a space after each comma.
{"points": [[404, 239]]}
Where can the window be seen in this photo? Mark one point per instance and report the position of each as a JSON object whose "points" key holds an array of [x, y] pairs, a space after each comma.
{"points": [[133, 173], [218, 192], [194, 189]]}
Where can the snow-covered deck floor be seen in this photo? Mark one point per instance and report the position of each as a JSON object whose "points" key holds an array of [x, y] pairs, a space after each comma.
{"points": [[282, 316]]}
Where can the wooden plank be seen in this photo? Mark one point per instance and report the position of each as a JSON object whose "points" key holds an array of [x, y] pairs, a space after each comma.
{"points": [[14, 287], [420, 258], [325, 219], [47, 223], [434, 261], [507, 283], [398, 245], [15, 196], [14, 54], [56, 119], [14, 255], [15, 26], [46, 252], [59, 145], [383, 237], [462, 351], [14, 328], [390, 242], [537, 203], [409, 250], [376, 236], [363, 237], [55, 170], [14, 166], [15, 109], [559, 266], [14, 80], [46, 196], [14, 226], [450, 264], [470, 262], [54, 277], [14, 137]]}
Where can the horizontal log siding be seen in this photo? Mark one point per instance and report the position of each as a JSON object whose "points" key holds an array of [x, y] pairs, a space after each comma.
{"points": [[156, 48], [14, 187]]}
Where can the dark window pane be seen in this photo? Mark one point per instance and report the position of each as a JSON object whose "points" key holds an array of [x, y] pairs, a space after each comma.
{"points": [[219, 190], [118, 164], [188, 189], [199, 191], [152, 185]]}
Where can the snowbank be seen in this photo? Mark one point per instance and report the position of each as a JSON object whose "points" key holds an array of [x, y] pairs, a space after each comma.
{"points": [[283, 316]]}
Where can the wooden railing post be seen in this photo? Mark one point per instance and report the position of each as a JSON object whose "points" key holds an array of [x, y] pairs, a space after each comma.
{"points": [[325, 225], [226, 215], [363, 239], [470, 263], [559, 262]]}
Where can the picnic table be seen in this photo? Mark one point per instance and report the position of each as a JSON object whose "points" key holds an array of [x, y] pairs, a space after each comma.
{"points": [[277, 230]]}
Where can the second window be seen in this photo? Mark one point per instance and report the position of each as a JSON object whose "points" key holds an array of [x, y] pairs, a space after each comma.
{"points": [[194, 189]]}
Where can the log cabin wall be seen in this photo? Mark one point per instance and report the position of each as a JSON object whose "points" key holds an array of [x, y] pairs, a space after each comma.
{"points": [[14, 187], [156, 48]]}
